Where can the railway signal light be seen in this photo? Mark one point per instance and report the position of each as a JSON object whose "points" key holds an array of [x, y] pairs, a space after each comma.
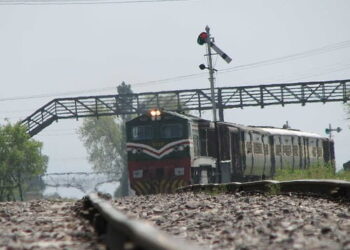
{"points": [[202, 38], [329, 130], [221, 53], [202, 67]]}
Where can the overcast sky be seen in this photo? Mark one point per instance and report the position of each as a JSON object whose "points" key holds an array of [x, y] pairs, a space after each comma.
{"points": [[88, 49]]}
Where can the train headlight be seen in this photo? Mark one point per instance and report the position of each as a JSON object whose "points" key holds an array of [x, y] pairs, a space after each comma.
{"points": [[155, 114]]}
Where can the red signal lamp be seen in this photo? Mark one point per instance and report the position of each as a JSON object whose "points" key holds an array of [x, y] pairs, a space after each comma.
{"points": [[202, 38]]}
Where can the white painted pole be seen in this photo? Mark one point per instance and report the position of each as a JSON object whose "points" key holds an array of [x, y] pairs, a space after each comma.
{"points": [[211, 73]]}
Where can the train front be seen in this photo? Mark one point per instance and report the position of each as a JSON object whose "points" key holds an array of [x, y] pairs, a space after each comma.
{"points": [[159, 152]]}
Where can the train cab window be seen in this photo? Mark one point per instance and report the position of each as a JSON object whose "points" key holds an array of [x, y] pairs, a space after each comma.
{"points": [[142, 132], [169, 131]]}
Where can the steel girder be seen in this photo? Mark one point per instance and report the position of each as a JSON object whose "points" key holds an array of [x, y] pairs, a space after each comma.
{"points": [[194, 99]]}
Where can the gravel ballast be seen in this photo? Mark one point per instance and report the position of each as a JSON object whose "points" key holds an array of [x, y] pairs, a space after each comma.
{"points": [[246, 221], [43, 224]]}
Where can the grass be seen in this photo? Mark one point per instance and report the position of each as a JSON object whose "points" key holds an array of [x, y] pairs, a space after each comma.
{"points": [[216, 190], [313, 172], [273, 189]]}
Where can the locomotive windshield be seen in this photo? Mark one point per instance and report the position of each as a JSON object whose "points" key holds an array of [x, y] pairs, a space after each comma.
{"points": [[142, 132], [157, 131], [169, 131]]}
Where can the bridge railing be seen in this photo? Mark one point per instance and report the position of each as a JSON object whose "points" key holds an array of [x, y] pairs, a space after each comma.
{"points": [[193, 99]]}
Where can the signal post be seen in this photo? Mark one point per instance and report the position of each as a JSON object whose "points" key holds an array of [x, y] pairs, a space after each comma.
{"points": [[203, 38]]}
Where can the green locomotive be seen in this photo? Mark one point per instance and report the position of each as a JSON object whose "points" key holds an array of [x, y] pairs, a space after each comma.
{"points": [[167, 150]]}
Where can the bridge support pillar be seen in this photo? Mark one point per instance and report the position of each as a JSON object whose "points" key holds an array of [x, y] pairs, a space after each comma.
{"points": [[220, 106]]}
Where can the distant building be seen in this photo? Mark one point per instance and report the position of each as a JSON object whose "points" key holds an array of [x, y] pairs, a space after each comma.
{"points": [[346, 166]]}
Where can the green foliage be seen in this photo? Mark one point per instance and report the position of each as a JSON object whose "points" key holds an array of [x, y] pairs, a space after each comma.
{"points": [[215, 190], [273, 189], [343, 175], [105, 140], [313, 172], [20, 160], [170, 102], [126, 100], [165, 102]]}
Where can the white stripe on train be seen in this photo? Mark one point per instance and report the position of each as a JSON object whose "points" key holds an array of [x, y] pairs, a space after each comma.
{"points": [[158, 153]]}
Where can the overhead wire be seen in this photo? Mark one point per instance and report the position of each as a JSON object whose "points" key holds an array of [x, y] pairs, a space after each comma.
{"points": [[16, 98], [308, 75], [315, 71], [267, 62], [282, 59], [81, 2], [287, 58], [331, 69]]}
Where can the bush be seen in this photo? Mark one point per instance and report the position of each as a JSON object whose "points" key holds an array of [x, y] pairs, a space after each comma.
{"points": [[313, 172], [343, 175]]}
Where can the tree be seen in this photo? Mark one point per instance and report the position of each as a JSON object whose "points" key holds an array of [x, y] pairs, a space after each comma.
{"points": [[20, 161], [164, 101], [105, 138], [105, 141], [124, 91]]}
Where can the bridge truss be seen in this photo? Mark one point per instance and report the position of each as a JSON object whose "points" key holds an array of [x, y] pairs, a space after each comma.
{"points": [[85, 182], [193, 99]]}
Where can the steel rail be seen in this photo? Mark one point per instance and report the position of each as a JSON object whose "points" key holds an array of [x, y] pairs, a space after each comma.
{"points": [[120, 232], [331, 188]]}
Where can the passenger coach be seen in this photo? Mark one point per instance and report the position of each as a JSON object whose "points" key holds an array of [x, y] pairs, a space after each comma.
{"points": [[167, 150]]}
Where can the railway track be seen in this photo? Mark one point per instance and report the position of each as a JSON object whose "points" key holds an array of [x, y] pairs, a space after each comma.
{"points": [[256, 215], [303, 214], [328, 188], [121, 232], [45, 224]]}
